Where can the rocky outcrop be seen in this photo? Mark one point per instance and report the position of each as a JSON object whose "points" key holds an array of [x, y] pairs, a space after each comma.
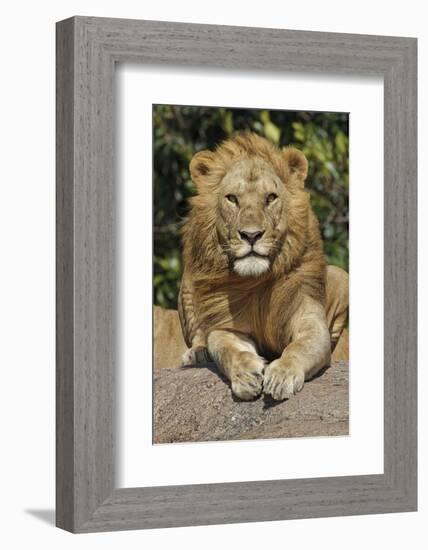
{"points": [[196, 404]]}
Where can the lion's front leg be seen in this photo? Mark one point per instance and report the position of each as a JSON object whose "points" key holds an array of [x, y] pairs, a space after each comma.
{"points": [[237, 358], [305, 355]]}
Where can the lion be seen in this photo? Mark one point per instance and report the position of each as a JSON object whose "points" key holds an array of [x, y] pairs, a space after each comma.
{"points": [[253, 291]]}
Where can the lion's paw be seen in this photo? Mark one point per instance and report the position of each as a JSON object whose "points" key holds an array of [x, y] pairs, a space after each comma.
{"points": [[247, 376], [281, 381]]}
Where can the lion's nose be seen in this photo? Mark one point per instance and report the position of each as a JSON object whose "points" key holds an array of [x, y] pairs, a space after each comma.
{"points": [[251, 236]]}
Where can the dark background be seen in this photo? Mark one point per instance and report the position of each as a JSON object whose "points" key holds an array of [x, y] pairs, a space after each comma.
{"points": [[181, 131]]}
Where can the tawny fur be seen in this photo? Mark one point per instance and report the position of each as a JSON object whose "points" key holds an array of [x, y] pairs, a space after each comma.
{"points": [[170, 349]]}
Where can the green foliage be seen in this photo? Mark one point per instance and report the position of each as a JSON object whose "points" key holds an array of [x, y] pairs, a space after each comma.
{"points": [[181, 131]]}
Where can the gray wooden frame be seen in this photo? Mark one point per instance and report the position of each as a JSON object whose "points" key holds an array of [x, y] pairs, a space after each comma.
{"points": [[87, 50]]}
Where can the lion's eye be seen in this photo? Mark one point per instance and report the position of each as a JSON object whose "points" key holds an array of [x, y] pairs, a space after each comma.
{"points": [[271, 197], [232, 198]]}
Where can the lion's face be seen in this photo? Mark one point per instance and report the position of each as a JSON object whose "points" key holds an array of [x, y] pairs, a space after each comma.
{"points": [[251, 218], [250, 211]]}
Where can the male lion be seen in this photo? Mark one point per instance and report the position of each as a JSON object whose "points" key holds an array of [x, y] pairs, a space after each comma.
{"points": [[253, 287]]}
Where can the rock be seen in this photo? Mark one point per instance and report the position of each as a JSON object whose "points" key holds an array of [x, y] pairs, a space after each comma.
{"points": [[196, 404]]}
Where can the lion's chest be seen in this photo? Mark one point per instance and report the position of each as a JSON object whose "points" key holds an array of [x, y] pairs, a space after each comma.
{"points": [[259, 312]]}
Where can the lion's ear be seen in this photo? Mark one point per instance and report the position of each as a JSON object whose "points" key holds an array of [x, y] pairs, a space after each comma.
{"points": [[297, 165], [200, 166]]}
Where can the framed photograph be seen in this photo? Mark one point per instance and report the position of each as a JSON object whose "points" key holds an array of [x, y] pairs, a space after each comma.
{"points": [[236, 274]]}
